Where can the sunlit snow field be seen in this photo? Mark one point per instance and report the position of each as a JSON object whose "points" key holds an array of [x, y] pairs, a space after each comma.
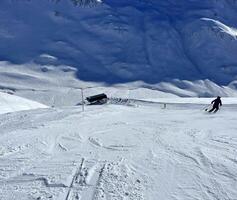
{"points": [[134, 147], [134, 150], [152, 140]]}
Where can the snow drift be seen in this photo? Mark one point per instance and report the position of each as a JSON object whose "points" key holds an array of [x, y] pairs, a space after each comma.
{"points": [[12, 103]]}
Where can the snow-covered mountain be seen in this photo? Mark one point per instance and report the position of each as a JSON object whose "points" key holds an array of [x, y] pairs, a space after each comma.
{"points": [[145, 143], [168, 41]]}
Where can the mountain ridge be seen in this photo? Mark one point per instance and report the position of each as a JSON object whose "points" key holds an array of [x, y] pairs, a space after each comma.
{"points": [[125, 41]]}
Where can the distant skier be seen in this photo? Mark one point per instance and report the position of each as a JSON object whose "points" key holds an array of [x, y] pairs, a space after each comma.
{"points": [[216, 103]]}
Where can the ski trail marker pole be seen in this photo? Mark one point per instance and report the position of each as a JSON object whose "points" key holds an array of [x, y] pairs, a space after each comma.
{"points": [[82, 100]]}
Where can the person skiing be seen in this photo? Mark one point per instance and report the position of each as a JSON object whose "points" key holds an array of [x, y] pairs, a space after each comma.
{"points": [[216, 103]]}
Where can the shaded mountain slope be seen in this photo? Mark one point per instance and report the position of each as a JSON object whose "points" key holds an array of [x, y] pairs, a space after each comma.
{"points": [[123, 41]]}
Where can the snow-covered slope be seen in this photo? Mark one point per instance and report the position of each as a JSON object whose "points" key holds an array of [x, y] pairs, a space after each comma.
{"points": [[146, 143], [127, 40], [11, 103], [60, 87], [112, 152]]}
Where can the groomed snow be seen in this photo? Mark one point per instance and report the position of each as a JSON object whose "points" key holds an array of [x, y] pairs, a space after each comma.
{"points": [[112, 152], [11, 103]]}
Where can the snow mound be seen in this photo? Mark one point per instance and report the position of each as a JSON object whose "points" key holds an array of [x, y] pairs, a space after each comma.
{"points": [[12, 103]]}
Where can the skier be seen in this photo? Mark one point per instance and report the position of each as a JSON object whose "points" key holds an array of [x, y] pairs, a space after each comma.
{"points": [[216, 103]]}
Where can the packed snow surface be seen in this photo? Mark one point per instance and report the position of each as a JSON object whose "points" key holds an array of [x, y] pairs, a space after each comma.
{"points": [[135, 151]]}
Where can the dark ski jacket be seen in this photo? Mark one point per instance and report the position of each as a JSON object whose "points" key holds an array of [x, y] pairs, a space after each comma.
{"points": [[216, 102]]}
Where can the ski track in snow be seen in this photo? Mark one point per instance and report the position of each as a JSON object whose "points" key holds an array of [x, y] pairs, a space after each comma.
{"points": [[119, 152]]}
